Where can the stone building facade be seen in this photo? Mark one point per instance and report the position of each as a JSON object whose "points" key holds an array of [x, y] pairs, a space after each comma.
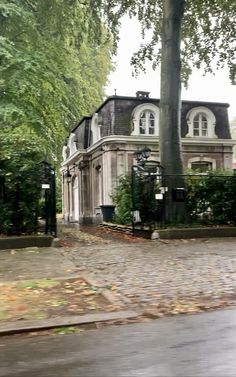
{"points": [[101, 148]]}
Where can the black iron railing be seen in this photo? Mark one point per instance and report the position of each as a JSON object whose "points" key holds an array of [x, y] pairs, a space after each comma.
{"points": [[28, 201]]}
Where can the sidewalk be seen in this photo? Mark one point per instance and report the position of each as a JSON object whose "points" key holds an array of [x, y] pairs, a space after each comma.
{"points": [[154, 278]]}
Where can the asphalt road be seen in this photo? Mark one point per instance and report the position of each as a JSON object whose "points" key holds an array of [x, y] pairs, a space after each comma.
{"points": [[188, 345]]}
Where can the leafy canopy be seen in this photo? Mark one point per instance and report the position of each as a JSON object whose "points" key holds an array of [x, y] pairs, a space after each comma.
{"points": [[208, 32], [54, 63]]}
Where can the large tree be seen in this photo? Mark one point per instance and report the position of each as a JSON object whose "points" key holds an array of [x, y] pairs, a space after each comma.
{"points": [[206, 32], [54, 64]]}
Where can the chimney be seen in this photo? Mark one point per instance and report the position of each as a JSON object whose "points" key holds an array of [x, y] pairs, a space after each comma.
{"points": [[142, 94]]}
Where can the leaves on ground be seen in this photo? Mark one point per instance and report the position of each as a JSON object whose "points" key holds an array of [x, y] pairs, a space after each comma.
{"points": [[76, 235], [186, 306], [47, 298], [67, 330]]}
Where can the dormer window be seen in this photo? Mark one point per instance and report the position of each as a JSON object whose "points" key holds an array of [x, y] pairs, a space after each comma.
{"points": [[145, 120], [201, 123], [72, 147], [147, 123], [95, 129]]}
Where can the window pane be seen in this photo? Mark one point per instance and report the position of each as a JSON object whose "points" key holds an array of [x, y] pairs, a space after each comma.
{"points": [[203, 124], [151, 124], [196, 125], [204, 130], [147, 123], [151, 131], [142, 128], [201, 166], [195, 128], [142, 123], [200, 125]]}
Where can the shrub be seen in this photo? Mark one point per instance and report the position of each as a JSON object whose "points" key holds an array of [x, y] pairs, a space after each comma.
{"points": [[211, 198], [122, 198], [139, 198]]}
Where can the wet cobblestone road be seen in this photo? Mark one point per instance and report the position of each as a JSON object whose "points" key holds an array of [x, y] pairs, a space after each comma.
{"points": [[152, 271], [144, 273]]}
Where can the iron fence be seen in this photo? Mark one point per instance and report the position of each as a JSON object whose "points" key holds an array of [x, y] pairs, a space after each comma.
{"points": [[203, 198], [28, 201]]}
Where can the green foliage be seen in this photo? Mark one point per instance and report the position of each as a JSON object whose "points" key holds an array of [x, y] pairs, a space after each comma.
{"points": [[54, 63], [208, 32], [18, 210], [211, 198], [20, 186], [122, 198], [136, 194], [66, 330]]}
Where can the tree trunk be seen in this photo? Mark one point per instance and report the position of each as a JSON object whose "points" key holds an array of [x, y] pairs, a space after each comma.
{"points": [[170, 107]]}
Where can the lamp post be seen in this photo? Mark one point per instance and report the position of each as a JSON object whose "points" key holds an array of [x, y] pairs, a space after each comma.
{"points": [[140, 156], [150, 169], [68, 180]]}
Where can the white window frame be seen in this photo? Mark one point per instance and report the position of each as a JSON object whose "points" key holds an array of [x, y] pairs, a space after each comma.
{"points": [[64, 152], [95, 128], [202, 159], [211, 122], [138, 111], [72, 144]]}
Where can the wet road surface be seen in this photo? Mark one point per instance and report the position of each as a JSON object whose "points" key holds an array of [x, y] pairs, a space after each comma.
{"points": [[189, 345]]}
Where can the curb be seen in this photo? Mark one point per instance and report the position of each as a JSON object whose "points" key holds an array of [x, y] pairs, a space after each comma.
{"points": [[22, 242], [18, 327], [176, 233], [109, 296], [24, 326]]}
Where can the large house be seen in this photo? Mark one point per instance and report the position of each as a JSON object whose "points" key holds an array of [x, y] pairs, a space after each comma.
{"points": [[101, 148]]}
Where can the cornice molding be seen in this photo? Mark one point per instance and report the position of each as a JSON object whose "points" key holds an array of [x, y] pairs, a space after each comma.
{"points": [[142, 140]]}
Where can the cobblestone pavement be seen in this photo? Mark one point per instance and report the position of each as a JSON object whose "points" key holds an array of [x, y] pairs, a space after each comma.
{"points": [[144, 273], [154, 271]]}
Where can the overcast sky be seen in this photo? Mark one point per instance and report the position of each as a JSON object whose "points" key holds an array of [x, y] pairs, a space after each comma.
{"points": [[202, 88]]}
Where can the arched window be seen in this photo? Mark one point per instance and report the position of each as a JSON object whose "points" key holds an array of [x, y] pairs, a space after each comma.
{"points": [[95, 129], [72, 147], [201, 123], [147, 123], [65, 152], [145, 120]]}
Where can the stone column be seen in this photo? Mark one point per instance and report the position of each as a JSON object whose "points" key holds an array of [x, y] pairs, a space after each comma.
{"points": [[86, 213]]}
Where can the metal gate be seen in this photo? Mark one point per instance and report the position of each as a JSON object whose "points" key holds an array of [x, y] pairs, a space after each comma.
{"points": [[28, 201]]}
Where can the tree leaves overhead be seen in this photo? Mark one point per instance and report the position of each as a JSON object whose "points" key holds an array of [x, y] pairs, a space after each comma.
{"points": [[54, 63], [208, 32]]}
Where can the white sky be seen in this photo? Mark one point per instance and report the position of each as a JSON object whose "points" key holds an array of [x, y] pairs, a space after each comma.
{"points": [[213, 88]]}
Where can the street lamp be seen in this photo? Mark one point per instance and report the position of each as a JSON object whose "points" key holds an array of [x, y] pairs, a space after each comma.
{"points": [[146, 152], [141, 155], [149, 171], [68, 176]]}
